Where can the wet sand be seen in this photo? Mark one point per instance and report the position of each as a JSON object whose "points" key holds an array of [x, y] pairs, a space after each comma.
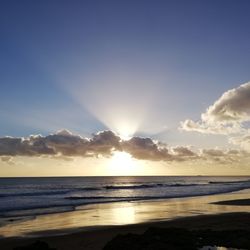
{"points": [[95, 225]]}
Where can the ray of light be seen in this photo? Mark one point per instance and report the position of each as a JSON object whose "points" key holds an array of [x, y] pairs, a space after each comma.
{"points": [[122, 99]]}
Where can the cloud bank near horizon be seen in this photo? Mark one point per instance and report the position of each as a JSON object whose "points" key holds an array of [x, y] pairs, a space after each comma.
{"points": [[66, 144]]}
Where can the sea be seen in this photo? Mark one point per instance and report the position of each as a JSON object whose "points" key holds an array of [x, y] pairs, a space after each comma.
{"points": [[20, 197]]}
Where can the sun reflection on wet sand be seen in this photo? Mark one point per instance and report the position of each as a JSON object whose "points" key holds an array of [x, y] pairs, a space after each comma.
{"points": [[124, 213]]}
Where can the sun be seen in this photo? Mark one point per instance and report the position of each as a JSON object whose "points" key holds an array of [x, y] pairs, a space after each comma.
{"points": [[125, 131], [125, 136], [122, 163]]}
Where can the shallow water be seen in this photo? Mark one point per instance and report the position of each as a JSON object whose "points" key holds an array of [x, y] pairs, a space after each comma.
{"points": [[34, 196], [89, 217]]}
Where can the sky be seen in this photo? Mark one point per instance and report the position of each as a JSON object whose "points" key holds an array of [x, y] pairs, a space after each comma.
{"points": [[142, 87]]}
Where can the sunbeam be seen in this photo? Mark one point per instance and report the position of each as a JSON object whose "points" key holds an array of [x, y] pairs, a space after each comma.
{"points": [[121, 98]]}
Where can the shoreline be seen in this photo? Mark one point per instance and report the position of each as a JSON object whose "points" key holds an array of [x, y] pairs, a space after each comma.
{"points": [[68, 199], [72, 208], [95, 225], [96, 216], [97, 239]]}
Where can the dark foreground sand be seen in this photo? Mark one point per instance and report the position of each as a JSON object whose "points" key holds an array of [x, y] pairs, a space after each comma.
{"points": [[240, 202], [97, 239]]}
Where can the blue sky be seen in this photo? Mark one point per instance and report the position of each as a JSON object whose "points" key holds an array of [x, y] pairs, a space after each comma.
{"points": [[200, 49], [176, 72]]}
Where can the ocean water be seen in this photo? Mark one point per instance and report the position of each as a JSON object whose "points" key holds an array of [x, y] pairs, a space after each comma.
{"points": [[21, 197]]}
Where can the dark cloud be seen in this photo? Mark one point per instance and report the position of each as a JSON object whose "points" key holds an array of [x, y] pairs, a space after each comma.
{"points": [[61, 143], [20, 146], [104, 142], [183, 151], [10, 146], [64, 145], [145, 148]]}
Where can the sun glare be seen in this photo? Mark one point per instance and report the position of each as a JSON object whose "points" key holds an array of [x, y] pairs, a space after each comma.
{"points": [[125, 130], [125, 136], [123, 163]]}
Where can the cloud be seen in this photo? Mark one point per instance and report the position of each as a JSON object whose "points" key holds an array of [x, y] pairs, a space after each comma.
{"points": [[242, 141], [104, 142], [224, 156], [65, 145], [183, 151], [145, 148], [233, 105], [226, 116], [19, 146], [213, 152], [61, 143], [211, 128], [7, 159]]}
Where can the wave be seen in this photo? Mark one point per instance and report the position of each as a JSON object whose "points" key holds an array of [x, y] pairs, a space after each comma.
{"points": [[157, 185], [33, 194], [228, 182], [117, 187], [154, 185], [107, 197], [50, 192], [75, 202], [131, 198], [111, 187]]}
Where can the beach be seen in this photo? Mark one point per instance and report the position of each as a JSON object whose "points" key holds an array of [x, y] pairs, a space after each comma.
{"points": [[124, 125], [93, 226]]}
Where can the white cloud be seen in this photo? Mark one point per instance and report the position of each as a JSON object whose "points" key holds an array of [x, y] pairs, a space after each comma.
{"points": [[242, 141], [211, 128], [226, 116]]}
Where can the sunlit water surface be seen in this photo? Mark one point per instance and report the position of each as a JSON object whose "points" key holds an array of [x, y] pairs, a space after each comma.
{"points": [[89, 217]]}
